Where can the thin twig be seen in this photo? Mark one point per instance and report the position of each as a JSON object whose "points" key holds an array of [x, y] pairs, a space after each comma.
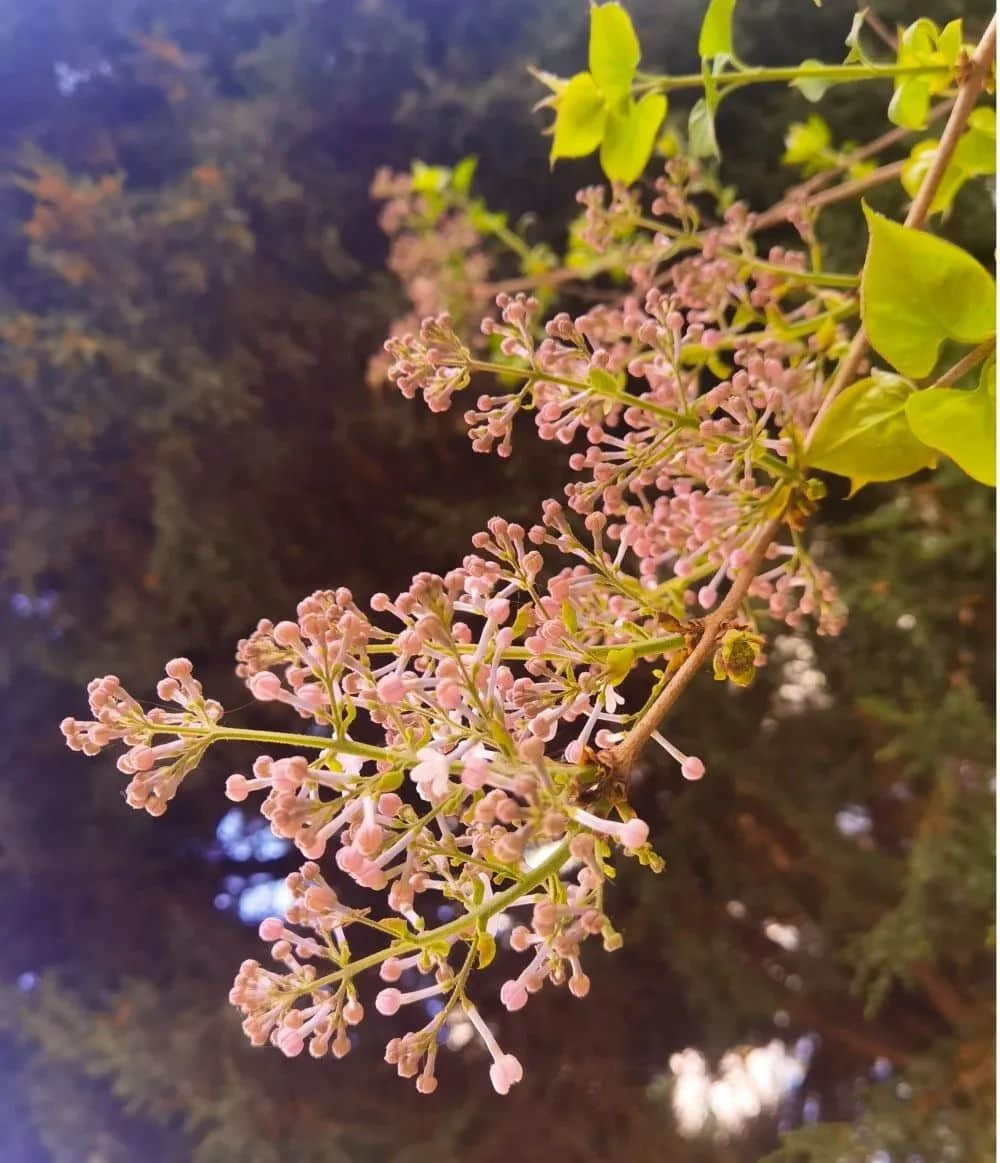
{"points": [[780, 213], [621, 757], [890, 138], [972, 359]]}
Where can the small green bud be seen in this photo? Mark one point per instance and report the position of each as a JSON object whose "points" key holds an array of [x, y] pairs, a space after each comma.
{"points": [[737, 656]]}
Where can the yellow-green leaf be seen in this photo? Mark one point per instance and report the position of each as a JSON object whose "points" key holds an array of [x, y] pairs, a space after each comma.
{"points": [[614, 50], [462, 175], [910, 103], [918, 290], [580, 117], [974, 156], [812, 88], [629, 137], [716, 35], [486, 948], [961, 424], [865, 435], [702, 141], [807, 144], [620, 663]]}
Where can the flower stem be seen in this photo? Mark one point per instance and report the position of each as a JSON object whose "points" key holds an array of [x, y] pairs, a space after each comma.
{"points": [[466, 923], [763, 75], [218, 734]]}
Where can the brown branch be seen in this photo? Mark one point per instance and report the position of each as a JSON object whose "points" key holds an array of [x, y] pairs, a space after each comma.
{"points": [[780, 213], [968, 361], [816, 183], [621, 758], [551, 278], [853, 1034], [943, 995]]}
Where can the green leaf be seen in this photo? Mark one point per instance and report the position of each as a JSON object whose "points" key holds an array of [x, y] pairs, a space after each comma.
{"points": [[428, 179], [974, 156], [551, 81], [910, 103], [628, 140], [568, 615], [486, 948], [961, 424], [580, 118], [604, 382], [949, 42], [917, 291], [620, 663], [923, 44], [614, 50], [807, 143], [702, 141], [865, 435], [462, 175], [855, 50], [976, 151], [716, 36], [812, 88]]}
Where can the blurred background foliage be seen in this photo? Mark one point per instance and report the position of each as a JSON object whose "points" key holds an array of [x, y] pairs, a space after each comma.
{"points": [[191, 283]]}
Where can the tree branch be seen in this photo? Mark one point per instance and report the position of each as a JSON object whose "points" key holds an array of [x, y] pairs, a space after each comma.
{"points": [[622, 757], [968, 361]]}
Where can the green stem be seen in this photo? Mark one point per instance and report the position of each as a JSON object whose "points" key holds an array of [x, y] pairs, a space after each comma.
{"points": [[523, 654], [686, 242], [281, 738], [624, 398], [467, 922], [820, 278], [835, 74]]}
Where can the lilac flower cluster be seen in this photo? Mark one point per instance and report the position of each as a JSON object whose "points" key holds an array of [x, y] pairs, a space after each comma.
{"points": [[465, 736], [492, 692]]}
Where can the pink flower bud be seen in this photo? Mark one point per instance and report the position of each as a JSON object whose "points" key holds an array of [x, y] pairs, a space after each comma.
{"points": [[236, 788], [271, 929], [389, 803], [692, 768], [449, 695], [290, 1043], [265, 686], [179, 668], [167, 689], [474, 773], [634, 834], [505, 1072], [388, 1001], [390, 689], [579, 985], [353, 1012], [142, 758], [391, 969], [513, 995], [498, 609], [286, 634]]}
